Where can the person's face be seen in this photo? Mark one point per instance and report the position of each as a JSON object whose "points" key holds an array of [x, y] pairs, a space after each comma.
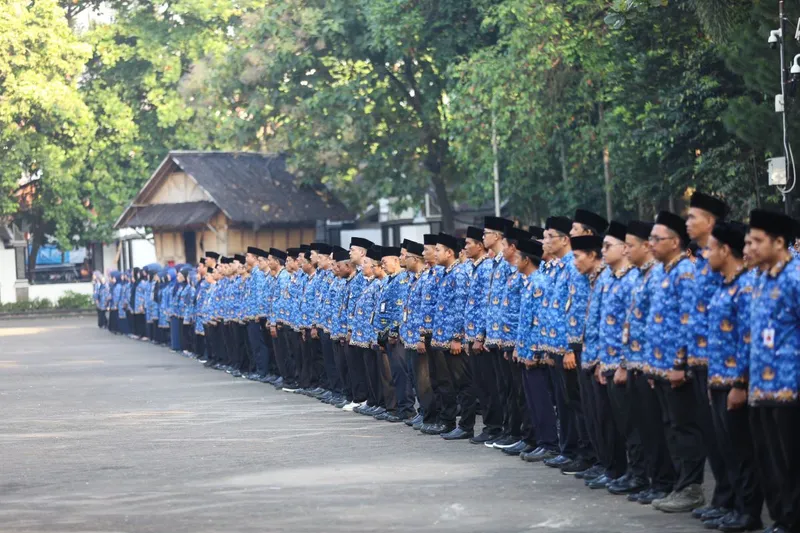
{"points": [[250, 260], [699, 223], [717, 254], [491, 238], [314, 257], [263, 263], [181, 277], [217, 274], [368, 267], [429, 253], [664, 242], [509, 251], [763, 248], [291, 264], [474, 249], [403, 257], [584, 261], [357, 254], [391, 264], [554, 242], [638, 249], [443, 254], [614, 250], [578, 230], [211, 262], [517, 260], [748, 254]]}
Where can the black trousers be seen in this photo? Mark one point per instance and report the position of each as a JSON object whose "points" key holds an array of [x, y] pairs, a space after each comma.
{"points": [[682, 428], [648, 418], [258, 347], [138, 325], [102, 321], [357, 373], [341, 368], [200, 346], [458, 391], [574, 438], [401, 379], [313, 366], [372, 375], [331, 378], [294, 350], [187, 339], [282, 358], [591, 415], [113, 321], [270, 365], [723, 487], [541, 410], [484, 373], [423, 386], [776, 436], [627, 446], [735, 446], [245, 357]]}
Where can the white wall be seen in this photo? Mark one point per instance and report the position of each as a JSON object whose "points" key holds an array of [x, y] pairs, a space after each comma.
{"points": [[54, 291], [373, 234], [144, 252], [414, 232], [8, 275]]}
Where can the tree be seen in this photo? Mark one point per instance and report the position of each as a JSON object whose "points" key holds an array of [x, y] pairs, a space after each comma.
{"points": [[355, 91], [45, 127]]}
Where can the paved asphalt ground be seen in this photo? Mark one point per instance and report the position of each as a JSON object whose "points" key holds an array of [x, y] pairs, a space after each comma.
{"points": [[104, 434]]}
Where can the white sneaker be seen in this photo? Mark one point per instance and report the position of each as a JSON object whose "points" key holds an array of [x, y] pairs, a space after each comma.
{"points": [[350, 406]]}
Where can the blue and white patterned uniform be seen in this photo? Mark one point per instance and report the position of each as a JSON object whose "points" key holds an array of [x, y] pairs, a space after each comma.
{"points": [[530, 310], [617, 292], [475, 315], [364, 331], [636, 315], [412, 312], [590, 356], [729, 335], [429, 291], [707, 282], [501, 271], [391, 298], [448, 322]]}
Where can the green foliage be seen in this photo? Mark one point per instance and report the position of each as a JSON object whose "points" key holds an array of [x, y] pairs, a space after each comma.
{"points": [[74, 300], [37, 304]]}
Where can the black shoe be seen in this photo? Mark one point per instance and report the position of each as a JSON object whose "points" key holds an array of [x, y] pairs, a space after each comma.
{"points": [[278, 383], [575, 466], [458, 434], [715, 513], [411, 421], [539, 454], [599, 483], [591, 473], [740, 522], [647, 497], [490, 443], [631, 485], [382, 416], [235, 373], [342, 402], [634, 496], [518, 448], [505, 442], [700, 511], [394, 418], [431, 429], [482, 438], [378, 410], [361, 409], [558, 461], [418, 425]]}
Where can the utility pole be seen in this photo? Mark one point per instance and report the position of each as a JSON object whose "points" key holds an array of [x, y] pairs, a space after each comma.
{"points": [[496, 166], [787, 195]]}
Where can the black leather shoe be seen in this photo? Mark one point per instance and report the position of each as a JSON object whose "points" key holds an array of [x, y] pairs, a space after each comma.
{"points": [[382, 416], [599, 483], [411, 421], [715, 513], [741, 522], [482, 438], [575, 466], [505, 442], [629, 485], [418, 425], [634, 496], [647, 497], [342, 402], [539, 454], [458, 434], [431, 429], [558, 461], [394, 418], [518, 448], [378, 410], [700, 511], [591, 473]]}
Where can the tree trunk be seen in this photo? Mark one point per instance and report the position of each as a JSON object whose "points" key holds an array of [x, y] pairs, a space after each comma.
{"points": [[37, 237], [443, 199], [606, 169]]}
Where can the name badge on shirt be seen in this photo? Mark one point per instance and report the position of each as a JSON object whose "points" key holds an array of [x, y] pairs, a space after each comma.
{"points": [[383, 307], [626, 333], [769, 337], [569, 304], [405, 315]]}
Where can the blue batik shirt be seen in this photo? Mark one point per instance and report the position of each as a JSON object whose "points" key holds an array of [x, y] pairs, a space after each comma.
{"points": [[636, 316], [280, 293], [363, 333], [412, 312], [189, 294], [575, 306], [430, 294], [504, 333], [391, 298], [480, 277], [163, 307], [448, 322], [354, 288], [530, 309], [347, 301], [617, 292], [501, 271], [668, 323], [706, 284], [308, 302], [775, 343], [590, 356], [296, 290], [553, 330], [139, 297], [326, 278], [729, 336], [333, 303]]}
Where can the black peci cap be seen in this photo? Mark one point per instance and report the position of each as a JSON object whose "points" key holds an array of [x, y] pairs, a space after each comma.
{"points": [[239, 257], [515, 235], [341, 255], [252, 250], [430, 239], [258, 252], [773, 223], [560, 224], [476, 234], [617, 229], [532, 249], [212, 255], [587, 243], [413, 247], [732, 234], [449, 241], [536, 232], [497, 224], [592, 220], [374, 252], [640, 229], [675, 223], [390, 251], [277, 254], [713, 205], [361, 242], [226, 260]]}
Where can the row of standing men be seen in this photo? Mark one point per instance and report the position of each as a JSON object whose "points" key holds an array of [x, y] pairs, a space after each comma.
{"points": [[604, 350]]}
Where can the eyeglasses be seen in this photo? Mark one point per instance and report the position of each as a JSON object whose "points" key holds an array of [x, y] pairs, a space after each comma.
{"points": [[656, 239], [608, 245]]}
